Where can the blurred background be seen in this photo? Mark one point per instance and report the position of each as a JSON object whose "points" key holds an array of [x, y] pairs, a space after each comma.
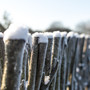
{"points": [[46, 15]]}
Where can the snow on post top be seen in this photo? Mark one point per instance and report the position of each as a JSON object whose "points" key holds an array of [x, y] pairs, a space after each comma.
{"points": [[56, 34], [1, 35], [70, 34], [16, 32], [49, 34], [42, 37], [63, 34]]}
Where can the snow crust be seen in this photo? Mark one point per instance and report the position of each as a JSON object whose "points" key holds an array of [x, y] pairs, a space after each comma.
{"points": [[46, 79], [42, 37], [49, 34], [1, 34], [56, 34], [16, 32]]}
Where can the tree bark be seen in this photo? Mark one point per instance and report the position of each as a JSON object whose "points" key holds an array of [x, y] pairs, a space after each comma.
{"points": [[13, 64]]}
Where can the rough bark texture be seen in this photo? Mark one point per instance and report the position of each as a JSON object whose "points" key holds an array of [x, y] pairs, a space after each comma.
{"points": [[55, 58], [33, 65], [40, 64], [13, 64]]}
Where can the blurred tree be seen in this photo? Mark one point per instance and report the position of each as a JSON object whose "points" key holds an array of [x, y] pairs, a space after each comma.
{"points": [[83, 27], [6, 21], [57, 26]]}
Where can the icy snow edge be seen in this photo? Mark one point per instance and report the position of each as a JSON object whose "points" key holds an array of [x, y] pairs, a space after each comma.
{"points": [[16, 32]]}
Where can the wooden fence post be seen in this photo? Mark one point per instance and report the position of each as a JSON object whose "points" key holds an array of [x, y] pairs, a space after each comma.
{"points": [[71, 38], [55, 56], [64, 61], [42, 48], [78, 57], [33, 62], [14, 39]]}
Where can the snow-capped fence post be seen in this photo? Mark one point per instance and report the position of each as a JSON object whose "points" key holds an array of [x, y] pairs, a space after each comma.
{"points": [[47, 67], [33, 63], [1, 56], [55, 56], [14, 38], [72, 39], [42, 48], [64, 61], [78, 58]]}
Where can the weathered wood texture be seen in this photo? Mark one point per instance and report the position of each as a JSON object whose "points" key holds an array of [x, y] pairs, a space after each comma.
{"points": [[40, 64], [47, 67], [55, 58], [33, 65], [13, 64]]}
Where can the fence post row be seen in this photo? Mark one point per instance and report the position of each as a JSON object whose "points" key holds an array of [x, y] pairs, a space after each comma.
{"points": [[44, 61]]}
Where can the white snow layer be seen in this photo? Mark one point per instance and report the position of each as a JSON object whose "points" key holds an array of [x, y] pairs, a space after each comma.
{"points": [[49, 34], [63, 34], [1, 34], [56, 34], [16, 32], [70, 34], [46, 79], [42, 37]]}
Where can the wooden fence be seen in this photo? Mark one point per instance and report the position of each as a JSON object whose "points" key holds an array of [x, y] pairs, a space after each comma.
{"points": [[54, 61]]}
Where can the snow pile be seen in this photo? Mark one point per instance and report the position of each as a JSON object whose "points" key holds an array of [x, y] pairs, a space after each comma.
{"points": [[46, 79], [56, 34], [42, 37], [16, 32], [1, 34], [49, 34]]}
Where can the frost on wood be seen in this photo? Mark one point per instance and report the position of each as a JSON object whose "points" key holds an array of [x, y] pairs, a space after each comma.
{"points": [[16, 32]]}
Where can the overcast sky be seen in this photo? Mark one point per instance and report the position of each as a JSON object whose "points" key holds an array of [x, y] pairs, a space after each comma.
{"points": [[39, 14]]}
